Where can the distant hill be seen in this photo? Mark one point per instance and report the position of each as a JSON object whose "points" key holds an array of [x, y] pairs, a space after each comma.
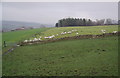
{"points": [[11, 25]]}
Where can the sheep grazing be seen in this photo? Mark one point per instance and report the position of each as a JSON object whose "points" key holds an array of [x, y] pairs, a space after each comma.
{"points": [[52, 36], [18, 45], [62, 33], [46, 37], [77, 33], [69, 32], [26, 41], [39, 39], [49, 37], [103, 31], [35, 39], [30, 40], [114, 31]]}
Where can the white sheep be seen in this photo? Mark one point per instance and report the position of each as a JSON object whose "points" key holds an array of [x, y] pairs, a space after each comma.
{"points": [[77, 33], [69, 32], [18, 45], [62, 33], [51, 36], [114, 31], [103, 31], [26, 41], [39, 39], [30, 40], [35, 39], [46, 37]]}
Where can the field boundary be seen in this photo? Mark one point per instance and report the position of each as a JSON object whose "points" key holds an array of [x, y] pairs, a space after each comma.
{"points": [[61, 39], [71, 38]]}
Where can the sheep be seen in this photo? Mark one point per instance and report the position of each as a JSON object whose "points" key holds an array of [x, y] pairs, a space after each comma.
{"points": [[114, 31], [26, 41], [63, 33], [35, 39], [49, 37], [74, 30], [77, 33], [46, 37], [39, 39], [69, 32], [18, 45], [103, 31], [30, 40], [52, 36]]}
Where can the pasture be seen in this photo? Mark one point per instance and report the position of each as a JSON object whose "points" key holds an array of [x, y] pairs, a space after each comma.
{"points": [[81, 57], [16, 36], [85, 57], [62, 32], [12, 38]]}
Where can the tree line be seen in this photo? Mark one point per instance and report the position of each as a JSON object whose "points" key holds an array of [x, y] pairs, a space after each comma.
{"points": [[65, 22]]}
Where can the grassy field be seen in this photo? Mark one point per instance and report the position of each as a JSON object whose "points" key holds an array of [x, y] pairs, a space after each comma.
{"points": [[82, 57], [85, 57], [16, 36], [94, 30], [12, 38]]}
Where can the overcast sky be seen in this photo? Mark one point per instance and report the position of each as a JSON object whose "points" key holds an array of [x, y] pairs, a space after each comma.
{"points": [[51, 12]]}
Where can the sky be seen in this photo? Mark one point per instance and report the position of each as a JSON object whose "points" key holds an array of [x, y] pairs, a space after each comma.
{"points": [[51, 12]]}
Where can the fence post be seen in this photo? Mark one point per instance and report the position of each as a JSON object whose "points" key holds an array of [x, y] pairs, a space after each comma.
{"points": [[5, 44]]}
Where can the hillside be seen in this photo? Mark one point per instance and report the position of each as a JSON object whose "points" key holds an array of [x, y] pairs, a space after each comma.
{"points": [[76, 57], [86, 57], [10, 25]]}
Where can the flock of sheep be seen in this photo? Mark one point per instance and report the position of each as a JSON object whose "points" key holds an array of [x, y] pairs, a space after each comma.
{"points": [[50, 37], [104, 31], [62, 33]]}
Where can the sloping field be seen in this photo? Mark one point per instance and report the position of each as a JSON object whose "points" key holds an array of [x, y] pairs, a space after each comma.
{"points": [[16, 36], [82, 57], [12, 38], [85, 57], [61, 32]]}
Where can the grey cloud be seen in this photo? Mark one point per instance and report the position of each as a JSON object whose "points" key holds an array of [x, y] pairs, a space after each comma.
{"points": [[51, 12]]}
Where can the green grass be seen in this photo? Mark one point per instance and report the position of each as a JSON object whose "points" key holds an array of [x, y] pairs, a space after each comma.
{"points": [[16, 36], [94, 30], [12, 38], [85, 57]]}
